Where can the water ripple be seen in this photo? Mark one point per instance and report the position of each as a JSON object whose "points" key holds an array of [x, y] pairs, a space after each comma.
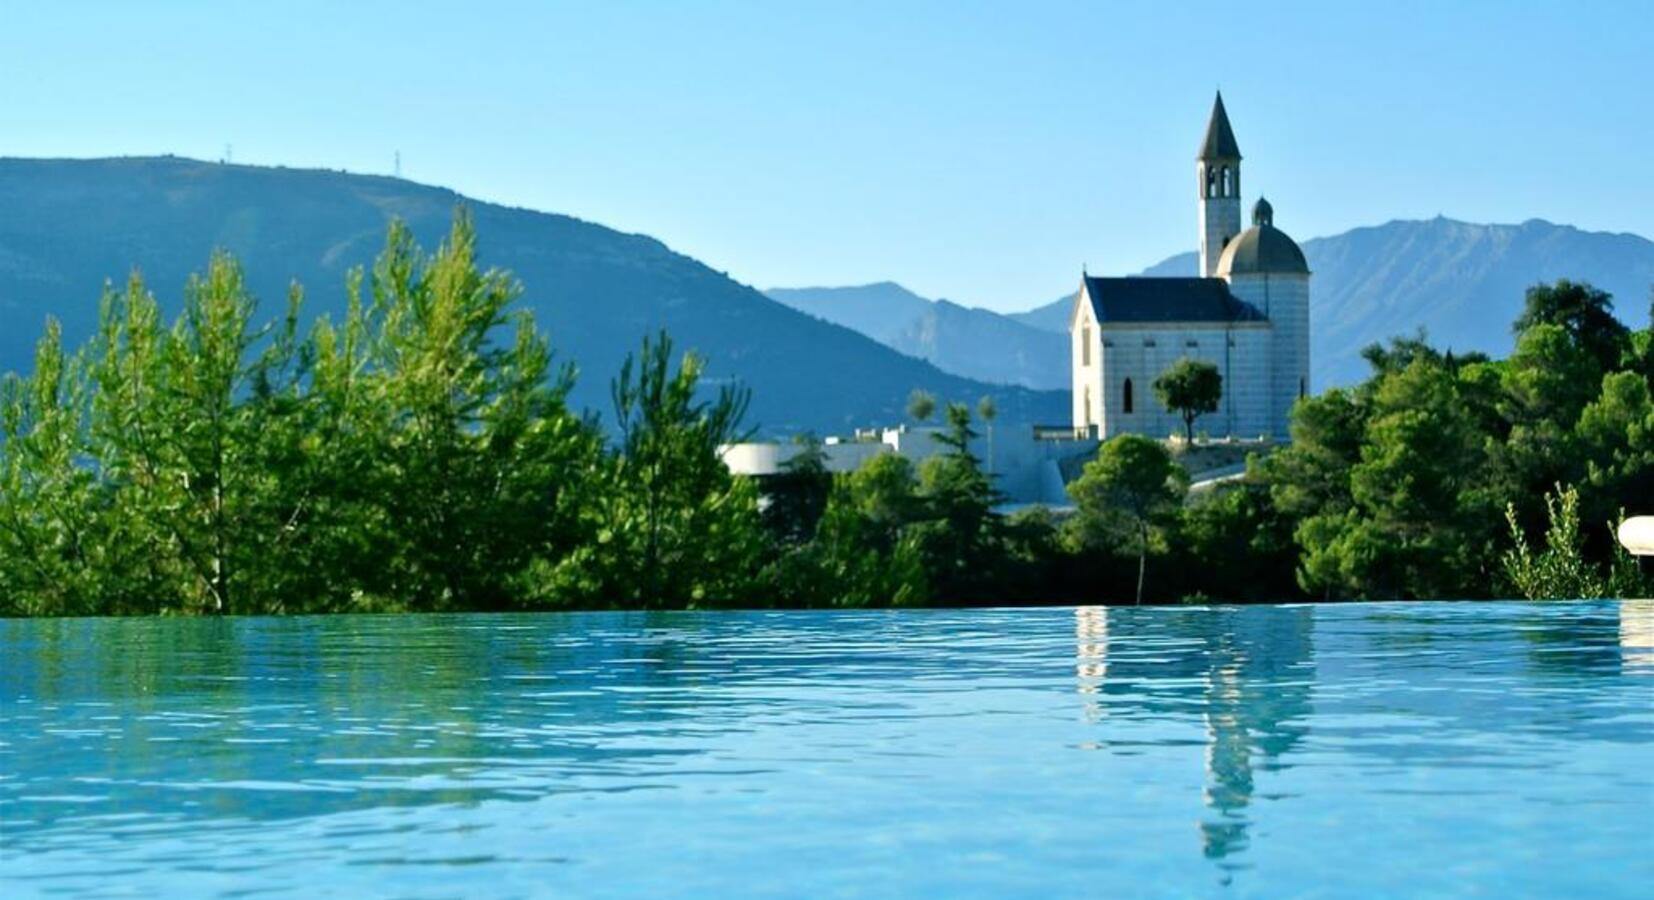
{"points": [[1272, 750]]}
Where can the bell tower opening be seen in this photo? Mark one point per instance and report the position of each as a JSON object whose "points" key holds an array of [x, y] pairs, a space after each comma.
{"points": [[1218, 168]]}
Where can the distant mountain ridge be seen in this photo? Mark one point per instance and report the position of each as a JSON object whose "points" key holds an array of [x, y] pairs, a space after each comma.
{"points": [[1462, 282], [880, 310], [990, 346], [66, 226]]}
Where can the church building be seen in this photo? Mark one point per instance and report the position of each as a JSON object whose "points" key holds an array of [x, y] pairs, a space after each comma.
{"points": [[1247, 314]]}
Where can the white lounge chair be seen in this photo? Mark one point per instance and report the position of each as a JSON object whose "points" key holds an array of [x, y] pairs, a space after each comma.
{"points": [[1637, 534]]}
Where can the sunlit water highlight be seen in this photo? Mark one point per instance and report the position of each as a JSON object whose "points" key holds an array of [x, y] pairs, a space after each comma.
{"points": [[1347, 750]]}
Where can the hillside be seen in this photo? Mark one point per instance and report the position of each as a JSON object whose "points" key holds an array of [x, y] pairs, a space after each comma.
{"points": [[974, 343], [881, 311], [1462, 282], [68, 225]]}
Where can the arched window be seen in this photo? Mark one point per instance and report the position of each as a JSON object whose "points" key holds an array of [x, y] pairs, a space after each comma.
{"points": [[1223, 190], [1125, 397], [1211, 183], [1087, 419], [1085, 345]]}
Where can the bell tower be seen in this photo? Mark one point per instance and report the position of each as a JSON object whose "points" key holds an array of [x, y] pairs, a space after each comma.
{"points": [[1217, 171]]}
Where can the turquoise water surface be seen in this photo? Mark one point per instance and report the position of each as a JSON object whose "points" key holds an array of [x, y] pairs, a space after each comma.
{"points": [[1339, 750]]}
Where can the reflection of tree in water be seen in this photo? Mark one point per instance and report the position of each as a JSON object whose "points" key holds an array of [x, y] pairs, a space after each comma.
{"points": [[1261, 667], [1257, 667], [268, 719], [1572, 638]]}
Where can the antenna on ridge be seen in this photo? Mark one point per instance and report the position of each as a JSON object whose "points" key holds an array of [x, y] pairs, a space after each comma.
{"points": [[229, 154], [398, 164]]}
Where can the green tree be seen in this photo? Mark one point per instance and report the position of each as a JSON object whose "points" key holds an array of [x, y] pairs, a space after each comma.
{"points": [[472, 457], [863, 553], [854, 560], [54, 558], [1400, 352], [1558, 571], [1311, 476], [679, 529], [1585, 313], [960, 534], [1421, 519], [921, 405], [885, 491], [797, 494], [1132, 488], [1543, 388], [1236, 527], [1191, 388], [1639, 351], [178, 439], [1616, 439]]}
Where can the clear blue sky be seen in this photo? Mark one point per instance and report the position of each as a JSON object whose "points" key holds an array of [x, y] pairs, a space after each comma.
{"points": [[980, 152]]}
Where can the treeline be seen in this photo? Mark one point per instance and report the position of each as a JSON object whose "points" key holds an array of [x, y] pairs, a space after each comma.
{"points": [[419, 454], [1441, 476]]}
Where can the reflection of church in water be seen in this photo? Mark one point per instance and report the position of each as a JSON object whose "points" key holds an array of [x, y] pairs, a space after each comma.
{"points": [[1256, 666], [1250, 671]]}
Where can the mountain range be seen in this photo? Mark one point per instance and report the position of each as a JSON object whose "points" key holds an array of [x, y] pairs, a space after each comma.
{"points": [[68, 226], [1463, 283], [821, 359]]}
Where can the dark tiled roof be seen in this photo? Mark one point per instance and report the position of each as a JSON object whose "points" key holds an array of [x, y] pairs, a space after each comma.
{"points": [[1220, 138], [1166, 300]]}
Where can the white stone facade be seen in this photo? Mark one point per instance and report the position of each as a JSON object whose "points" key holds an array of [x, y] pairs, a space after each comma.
{"points": [[1139, 353], [1284, 298]]}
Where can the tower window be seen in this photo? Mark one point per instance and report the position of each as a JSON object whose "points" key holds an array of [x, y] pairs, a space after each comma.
{"points": [[1223, 189], [1087, 419], [1211, 183], [1125, 397], [1085, 345]]}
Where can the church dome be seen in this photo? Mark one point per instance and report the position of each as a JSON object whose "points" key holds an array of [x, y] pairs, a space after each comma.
{"points": [[1262, 249]]}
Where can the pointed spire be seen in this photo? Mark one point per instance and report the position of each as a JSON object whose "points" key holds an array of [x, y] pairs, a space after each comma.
{"points": [[1220, 138]]}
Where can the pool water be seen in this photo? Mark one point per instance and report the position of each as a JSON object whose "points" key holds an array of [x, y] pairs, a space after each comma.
{"points": [[1336, 750]]}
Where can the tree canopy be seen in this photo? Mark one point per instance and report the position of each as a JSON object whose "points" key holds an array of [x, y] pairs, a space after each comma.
{"points": [[1133, 488], [419, 453], [1191, 388]]}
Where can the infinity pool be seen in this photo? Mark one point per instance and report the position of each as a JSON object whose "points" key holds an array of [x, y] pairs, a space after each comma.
{"points": [[1345, 750]]}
